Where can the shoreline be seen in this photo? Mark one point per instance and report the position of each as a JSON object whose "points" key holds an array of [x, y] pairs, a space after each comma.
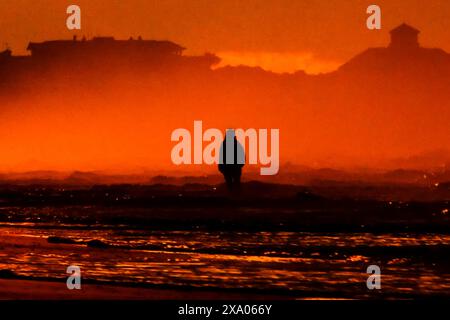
{"points": [[14, 289]]}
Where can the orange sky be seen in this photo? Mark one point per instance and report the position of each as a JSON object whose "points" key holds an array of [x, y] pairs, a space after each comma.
{"points": [[127, 122], [315, 35]]}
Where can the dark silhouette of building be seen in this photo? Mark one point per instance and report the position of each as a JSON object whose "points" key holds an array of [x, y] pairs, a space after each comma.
{"points": [[404, 36], [104, 47], [404, 55], [100, 56]]}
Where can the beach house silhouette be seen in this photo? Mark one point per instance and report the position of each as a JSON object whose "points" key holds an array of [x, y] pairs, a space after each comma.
{"points": [[404, 54], [404, 36], [106, 52]]}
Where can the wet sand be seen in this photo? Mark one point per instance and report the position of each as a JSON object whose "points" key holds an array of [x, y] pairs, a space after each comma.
{"points": [[151, 243], [46, 290], [26, 289]]}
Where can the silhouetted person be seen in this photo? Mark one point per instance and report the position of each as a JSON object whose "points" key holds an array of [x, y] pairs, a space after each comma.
{"points": [[231, 162]]}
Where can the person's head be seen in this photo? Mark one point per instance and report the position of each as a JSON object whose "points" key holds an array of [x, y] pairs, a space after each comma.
{"points": [[230, 134]]}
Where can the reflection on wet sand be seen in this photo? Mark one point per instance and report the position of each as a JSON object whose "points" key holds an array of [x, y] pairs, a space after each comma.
{"points": [[296, 264]]}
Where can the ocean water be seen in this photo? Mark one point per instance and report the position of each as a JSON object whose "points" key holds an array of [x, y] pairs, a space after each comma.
{"points": [[294, 264]]}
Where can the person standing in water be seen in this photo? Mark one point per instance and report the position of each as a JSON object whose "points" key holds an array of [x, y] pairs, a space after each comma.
{"points": [[231, 160]]}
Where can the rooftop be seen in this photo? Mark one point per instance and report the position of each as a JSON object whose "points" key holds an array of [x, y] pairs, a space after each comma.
{"points": [[106, 42], [405, 28]]}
